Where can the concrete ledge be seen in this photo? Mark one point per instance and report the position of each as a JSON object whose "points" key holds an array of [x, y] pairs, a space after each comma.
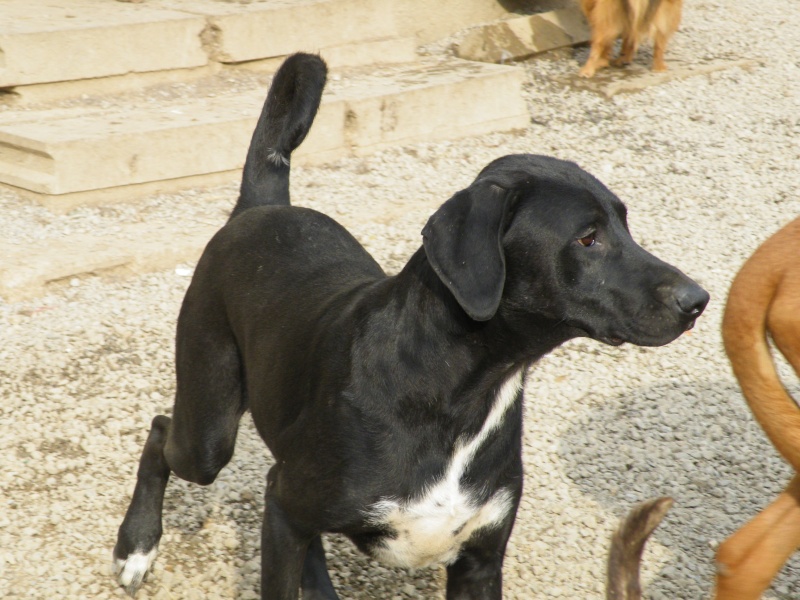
{"points": [[390, 51], [89, 39], [43, 93], [242, 32], [127, 193], [69, 150], [516, 39], [27, 270], [357, 55], [264, 28], [386, 51], [50, 40], [440, 100], [428, 21]]}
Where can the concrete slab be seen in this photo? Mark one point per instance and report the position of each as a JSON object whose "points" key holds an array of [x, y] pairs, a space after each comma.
{"points": [[385, 52], [429, 21], [256, 30], [431, 101], [520, 38], [356, 55], [60, 151], [64, 203], [636, 77], [52, 40], [264, 28], [27, 270], [389, 51], [69, 150], [52, 92]]}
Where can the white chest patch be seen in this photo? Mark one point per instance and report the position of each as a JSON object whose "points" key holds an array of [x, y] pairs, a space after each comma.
{"points": [[432, 528]]}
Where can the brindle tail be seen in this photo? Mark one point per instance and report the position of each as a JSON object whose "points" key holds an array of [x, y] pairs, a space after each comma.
{"points": [[627, 546], [289, 111]]}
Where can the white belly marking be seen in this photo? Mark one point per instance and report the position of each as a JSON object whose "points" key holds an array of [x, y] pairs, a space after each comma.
{"points": [[432, 528]]}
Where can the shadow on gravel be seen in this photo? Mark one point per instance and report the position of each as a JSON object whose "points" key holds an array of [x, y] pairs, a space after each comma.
{"points": [[695, 442]]}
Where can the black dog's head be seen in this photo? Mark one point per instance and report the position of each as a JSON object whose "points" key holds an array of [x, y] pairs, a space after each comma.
{"points": [[538, 236]]}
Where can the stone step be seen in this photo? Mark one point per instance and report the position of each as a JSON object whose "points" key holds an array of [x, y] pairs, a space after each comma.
{"points": [[167, 134], [357, 54], [243, 32], [52, 40], [522, 37], [28, 269]]}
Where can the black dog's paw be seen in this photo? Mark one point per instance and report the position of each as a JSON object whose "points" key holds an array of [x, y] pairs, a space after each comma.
{"points": [[131, 570]]}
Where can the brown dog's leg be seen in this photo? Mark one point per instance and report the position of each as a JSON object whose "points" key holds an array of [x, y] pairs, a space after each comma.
{"points": [[630, 44], [749, 559], [665, 23], [659, 65], [783, 320], [607, 23], [599, 56]]}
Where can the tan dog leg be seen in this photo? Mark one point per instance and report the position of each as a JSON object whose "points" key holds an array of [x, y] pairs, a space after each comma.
{"points": [[783, 320], [750, 558], [659, 65], [599, 56], [665, 24], [629, 47], [607, 23]]}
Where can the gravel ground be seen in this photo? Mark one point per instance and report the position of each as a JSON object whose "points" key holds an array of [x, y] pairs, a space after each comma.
{"points": [[708, 166]]}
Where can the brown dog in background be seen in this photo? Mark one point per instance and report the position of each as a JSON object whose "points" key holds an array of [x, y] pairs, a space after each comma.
{"points": [[765, 299], [633, 20]]}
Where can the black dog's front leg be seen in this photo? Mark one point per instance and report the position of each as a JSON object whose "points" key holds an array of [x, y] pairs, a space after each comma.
{"points": [[283, 551], [478, 572], [316, 580], [476, 575]]}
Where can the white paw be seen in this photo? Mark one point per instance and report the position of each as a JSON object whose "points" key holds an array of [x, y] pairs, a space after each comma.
{"points": [[131, 571]]}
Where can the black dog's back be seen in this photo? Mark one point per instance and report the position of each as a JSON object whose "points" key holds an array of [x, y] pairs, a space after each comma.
{"points": [[289, 110], [275, 243], [294, 262]]}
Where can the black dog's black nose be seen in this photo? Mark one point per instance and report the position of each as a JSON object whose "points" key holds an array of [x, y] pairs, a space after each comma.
{"points": [[692, 299]]}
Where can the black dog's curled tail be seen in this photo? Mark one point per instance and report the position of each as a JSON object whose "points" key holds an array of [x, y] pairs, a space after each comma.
{"points": [[289, 110], [627, 546]]}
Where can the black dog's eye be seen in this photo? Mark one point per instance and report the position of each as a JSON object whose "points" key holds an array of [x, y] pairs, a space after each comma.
{"points": [[587, 240]]}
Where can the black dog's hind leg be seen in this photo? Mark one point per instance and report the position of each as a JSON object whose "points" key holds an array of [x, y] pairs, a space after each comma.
{"points": [[316, 580], [199, 439], [137, 540], [195, 444]]}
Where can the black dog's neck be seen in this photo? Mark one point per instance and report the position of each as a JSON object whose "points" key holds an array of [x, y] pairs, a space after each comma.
{"points": [[503, 344]]}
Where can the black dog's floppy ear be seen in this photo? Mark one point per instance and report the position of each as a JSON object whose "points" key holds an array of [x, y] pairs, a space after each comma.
{"points": [[463, 243]]}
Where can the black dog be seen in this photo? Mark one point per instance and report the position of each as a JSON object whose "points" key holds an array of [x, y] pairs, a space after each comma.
{"points": [[392, 405]]}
